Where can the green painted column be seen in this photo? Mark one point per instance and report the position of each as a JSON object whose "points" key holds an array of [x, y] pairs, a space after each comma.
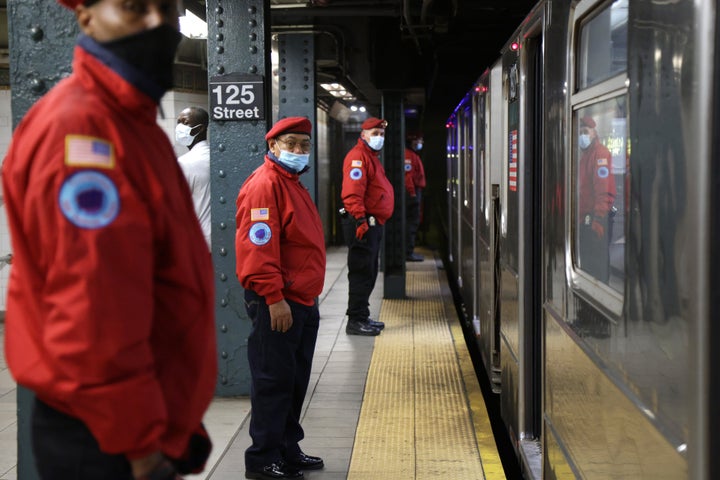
{"points": [[394, 161], [239, 89], [41, 37]]}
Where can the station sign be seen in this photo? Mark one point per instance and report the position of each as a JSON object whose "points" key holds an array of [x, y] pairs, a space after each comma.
{"points": [[237, 96]]}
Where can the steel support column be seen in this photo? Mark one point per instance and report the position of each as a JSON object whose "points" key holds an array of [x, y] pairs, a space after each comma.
{"points": [[394, 161], [238, 43], [296, 53], [41, 35]]}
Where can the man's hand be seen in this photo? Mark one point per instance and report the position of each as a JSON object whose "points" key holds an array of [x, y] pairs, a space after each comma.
{"points": [[361, 228], [280, 316], [196, 454], [153, 467], [598, 228]]}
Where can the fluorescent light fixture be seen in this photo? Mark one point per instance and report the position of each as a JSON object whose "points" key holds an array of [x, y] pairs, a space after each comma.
{"points": [[192, 26], [337, 90]]}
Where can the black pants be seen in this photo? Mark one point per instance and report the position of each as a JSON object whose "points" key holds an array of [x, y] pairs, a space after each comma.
{"points": [[280, 365], [362, 264], [595, 252], [412, 220], [65, 449]]}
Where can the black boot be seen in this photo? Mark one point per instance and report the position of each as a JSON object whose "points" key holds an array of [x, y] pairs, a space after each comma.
{"points": [[359, 327], [376, 324]]}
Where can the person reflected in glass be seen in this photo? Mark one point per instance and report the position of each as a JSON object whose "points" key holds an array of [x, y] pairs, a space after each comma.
{"points": [[596, 196]]}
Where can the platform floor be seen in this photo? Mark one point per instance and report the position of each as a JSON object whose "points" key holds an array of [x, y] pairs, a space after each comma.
{"points": [[403, 405]]}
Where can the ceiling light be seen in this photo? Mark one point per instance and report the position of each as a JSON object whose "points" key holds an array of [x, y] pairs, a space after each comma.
{"points": [[337, 90], [193, 26]]}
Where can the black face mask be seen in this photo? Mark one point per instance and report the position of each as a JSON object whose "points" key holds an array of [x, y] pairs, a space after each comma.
{"points": [[152, 52]]}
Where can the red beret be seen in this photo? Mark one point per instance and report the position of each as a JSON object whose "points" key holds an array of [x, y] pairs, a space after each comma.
{"points": [[373, 122], [587, 121], [71, 3], [414, 135], [290, 125]]}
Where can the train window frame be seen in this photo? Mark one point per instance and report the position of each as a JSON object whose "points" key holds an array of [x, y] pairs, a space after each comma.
{"points": [[586, 12], [583, 284]]}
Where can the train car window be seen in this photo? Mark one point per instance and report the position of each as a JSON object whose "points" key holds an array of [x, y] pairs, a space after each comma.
{"points": [[602, 45], [600, 165]]}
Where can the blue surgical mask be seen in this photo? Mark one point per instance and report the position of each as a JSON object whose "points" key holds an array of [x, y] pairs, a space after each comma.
{"points": [[584, 141], [418, 147], [294, 161], [376, 143], [182, 134]]}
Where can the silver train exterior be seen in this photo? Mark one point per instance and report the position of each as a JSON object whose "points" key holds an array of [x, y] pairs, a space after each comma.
{"points": [[610, 373]]}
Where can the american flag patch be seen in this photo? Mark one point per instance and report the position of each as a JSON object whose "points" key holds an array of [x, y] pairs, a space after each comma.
{"points": [[602, 161], [257, 214], [82, 151], [356, 163]]}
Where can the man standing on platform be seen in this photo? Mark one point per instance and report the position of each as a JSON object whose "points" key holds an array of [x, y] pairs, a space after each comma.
{"points": [[280, 248], [368, 199], [414, 185], [191, 132], [110, 313]]}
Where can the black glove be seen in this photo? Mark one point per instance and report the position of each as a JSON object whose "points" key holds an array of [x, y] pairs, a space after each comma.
{"points": [[163, 471], [196, 454]]}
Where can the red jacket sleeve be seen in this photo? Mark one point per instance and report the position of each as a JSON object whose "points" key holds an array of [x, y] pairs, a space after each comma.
{"points": [[355, 183], [257, 237], [102, 364], [409, 173]]}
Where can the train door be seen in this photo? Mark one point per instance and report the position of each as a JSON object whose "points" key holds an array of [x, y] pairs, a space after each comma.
{"points": [[467, 205], [520, 245], [509, 244], [531, 361], [452, 162], [484, 322]]}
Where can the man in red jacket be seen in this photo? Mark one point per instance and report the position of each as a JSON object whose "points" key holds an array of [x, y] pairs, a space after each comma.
{"points": [[414, 185], [110, 316], [280, 248], [369, 200], [596, 195]]}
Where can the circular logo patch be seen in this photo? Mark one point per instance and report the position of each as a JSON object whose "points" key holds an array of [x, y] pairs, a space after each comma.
{"points": [[603, 172], [260, 233], [408, 167], [89, 199], [356, 174]]}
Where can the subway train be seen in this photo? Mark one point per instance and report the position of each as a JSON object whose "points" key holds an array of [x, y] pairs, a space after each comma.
{"points": [[582, 176]]}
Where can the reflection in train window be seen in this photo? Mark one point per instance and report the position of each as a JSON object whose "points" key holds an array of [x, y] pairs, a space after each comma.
{"points": [[602, 49], [600, 165]]}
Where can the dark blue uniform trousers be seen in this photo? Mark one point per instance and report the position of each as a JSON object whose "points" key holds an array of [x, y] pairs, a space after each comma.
{"points": [[280, 366], [65, 449], [362, 262]]}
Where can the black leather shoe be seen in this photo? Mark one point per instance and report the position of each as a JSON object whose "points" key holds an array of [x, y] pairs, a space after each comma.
{"points": [[306, 462], [274, 471], [356, 327], [376, 324], [414, 257]]}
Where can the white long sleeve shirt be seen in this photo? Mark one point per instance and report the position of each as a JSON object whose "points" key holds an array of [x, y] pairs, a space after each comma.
{"points": [[195, 165]]}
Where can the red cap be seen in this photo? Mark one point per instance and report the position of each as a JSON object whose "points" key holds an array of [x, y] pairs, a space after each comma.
{"points": [[71, 3], [414, 135], [373, 122], [290, 125], [587, 121]]}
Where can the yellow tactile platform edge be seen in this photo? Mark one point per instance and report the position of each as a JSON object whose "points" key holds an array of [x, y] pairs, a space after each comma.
{"points": [[423, 415]]}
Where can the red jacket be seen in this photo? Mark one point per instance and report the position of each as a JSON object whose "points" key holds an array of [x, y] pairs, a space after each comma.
{"points": [[596, 182], [110, 314], [414, 172], [279, 240], [365, 188]]}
